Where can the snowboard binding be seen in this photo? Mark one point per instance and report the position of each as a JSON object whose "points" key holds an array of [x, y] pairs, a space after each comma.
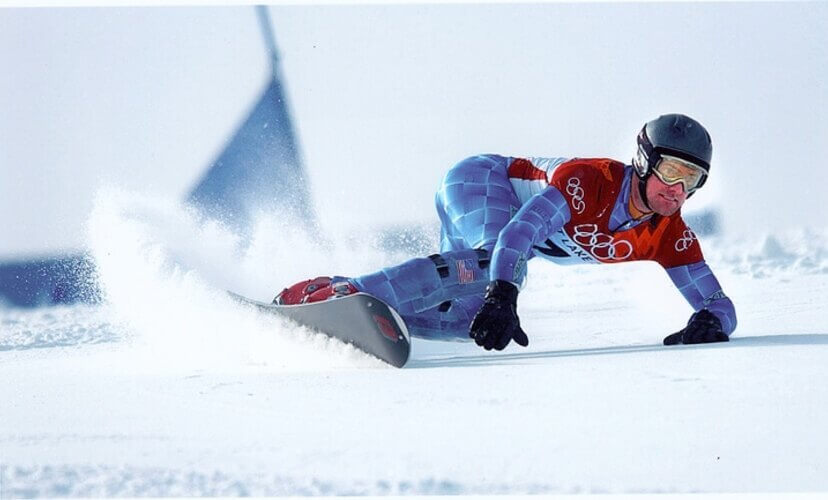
{"points": [[315, 290]]}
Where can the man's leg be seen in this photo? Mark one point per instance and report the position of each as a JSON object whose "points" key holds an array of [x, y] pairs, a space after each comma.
{"points": [[474, 203], [423, 283]]}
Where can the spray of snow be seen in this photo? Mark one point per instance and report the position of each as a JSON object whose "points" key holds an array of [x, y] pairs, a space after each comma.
{"points": [[163, 271]]}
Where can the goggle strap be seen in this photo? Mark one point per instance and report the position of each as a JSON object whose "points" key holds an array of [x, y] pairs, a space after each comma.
{"points": [[682, 156]]}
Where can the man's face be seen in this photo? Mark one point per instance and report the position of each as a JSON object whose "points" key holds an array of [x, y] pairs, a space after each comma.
{"points": [[672, 181], [664, 200]]}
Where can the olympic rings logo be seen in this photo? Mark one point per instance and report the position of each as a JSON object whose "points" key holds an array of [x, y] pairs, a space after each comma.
{"points": [[685, 241], [574, 189], [601, 246]]}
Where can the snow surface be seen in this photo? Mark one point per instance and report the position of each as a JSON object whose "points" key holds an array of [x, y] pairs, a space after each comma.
{"points": [[168, 388]]}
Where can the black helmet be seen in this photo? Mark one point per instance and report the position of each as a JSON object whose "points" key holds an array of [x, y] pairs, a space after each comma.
{"points": [[675, 135]]}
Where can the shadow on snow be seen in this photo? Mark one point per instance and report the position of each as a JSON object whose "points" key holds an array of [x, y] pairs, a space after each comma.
{"points": [[736, 342]]}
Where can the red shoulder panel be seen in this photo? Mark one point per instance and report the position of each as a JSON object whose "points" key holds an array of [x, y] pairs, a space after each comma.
{"points": [[522, 168]]}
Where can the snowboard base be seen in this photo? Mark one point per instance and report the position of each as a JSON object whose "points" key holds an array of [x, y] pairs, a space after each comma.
{"points": [[360, 319]]}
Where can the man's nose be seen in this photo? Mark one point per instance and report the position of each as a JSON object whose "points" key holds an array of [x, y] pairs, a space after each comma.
{"points": [[677, 188]]}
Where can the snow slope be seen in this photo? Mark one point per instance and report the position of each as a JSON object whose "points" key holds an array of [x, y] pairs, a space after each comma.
{"points": [[168, 388]]}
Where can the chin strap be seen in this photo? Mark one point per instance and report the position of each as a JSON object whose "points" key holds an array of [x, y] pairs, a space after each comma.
{"points": [[642, 190]]}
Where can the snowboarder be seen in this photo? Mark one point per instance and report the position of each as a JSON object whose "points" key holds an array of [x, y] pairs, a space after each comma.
{"points": [[498, 212]]}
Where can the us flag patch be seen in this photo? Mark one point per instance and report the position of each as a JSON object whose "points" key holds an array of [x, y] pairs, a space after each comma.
{"points": [[465, 271]]}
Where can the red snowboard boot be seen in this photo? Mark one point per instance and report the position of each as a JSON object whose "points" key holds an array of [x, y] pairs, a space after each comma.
{"points": [[315, 290]]}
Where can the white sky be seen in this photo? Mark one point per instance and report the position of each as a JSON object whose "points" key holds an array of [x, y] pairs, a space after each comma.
{"points": [[386, 97]]}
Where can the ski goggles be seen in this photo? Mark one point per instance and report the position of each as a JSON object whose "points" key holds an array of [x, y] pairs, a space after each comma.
{"points": [[671, 171]]}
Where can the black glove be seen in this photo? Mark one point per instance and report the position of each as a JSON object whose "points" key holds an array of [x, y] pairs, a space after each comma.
{"points": [[496, 323], [704, 327]]}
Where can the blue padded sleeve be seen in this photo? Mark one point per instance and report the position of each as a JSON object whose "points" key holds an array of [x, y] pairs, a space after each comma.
{"points": [[542, 215], [702, 290]]}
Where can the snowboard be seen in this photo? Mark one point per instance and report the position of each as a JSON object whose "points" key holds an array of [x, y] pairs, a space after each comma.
{"points": [[360, 319]]}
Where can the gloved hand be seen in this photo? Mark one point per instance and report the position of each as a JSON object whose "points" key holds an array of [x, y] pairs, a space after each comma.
{"points": [[497, 322], [704, 327]]}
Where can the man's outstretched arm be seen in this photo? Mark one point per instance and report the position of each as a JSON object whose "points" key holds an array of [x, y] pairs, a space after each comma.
{"points": [[715, 316]]}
